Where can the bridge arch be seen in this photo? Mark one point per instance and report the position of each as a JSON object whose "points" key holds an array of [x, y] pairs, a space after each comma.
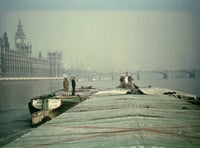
{"points": [[163, 73], [191, 73]]}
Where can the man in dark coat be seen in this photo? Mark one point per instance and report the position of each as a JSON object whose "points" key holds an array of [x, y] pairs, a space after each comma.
{"points": [[73, 86]]}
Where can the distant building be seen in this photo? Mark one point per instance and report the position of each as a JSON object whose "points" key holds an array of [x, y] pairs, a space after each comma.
{"points": [[55, 62], [20, 63]]}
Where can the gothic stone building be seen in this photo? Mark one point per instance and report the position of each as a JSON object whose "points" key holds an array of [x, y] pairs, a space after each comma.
{"points": [[20, 63]]}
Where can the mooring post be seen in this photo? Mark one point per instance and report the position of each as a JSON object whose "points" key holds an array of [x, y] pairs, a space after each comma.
{"points": [[45, 106]]}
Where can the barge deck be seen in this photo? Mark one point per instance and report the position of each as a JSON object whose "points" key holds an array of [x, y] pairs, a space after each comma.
{"points": [[137, 121]]}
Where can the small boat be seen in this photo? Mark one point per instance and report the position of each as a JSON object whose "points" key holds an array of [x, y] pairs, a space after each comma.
{"points": [[46, 107]]}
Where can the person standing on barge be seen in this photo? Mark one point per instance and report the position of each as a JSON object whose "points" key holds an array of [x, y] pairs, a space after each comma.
{"points": [[66, 86], [73, 86]]}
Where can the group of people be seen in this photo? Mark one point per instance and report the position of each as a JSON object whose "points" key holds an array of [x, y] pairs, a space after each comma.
{"points": [[66, 86], [127, 82]]}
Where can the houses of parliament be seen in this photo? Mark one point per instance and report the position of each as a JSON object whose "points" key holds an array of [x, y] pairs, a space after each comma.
{"points": [[19, 62]]}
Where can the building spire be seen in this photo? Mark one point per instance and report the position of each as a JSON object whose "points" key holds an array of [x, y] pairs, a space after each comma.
{"points": [[5, 41], [20, 33], [20, 37], [19, 24], [20, 40]]}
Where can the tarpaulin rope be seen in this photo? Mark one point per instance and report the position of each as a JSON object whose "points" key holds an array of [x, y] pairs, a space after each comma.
{"points": [[119, 131]]}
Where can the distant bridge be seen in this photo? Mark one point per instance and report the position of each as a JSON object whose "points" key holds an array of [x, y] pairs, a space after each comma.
{"points": [[138, 74], [165, 73]]}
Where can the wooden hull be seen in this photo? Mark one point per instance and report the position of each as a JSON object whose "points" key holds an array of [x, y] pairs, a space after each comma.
{"points": [[41, 115], [46, 107], [51, 103]]}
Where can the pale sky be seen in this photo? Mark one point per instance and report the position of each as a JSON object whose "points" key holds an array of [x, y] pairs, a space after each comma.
{"points": [[110, 34]]}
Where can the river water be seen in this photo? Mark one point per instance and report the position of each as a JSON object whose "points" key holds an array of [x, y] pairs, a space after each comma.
{"points": [[15, 118]]}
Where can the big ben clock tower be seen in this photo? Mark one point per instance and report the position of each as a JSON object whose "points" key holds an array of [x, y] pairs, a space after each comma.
{"points": [[20, 40], [20, 36]]}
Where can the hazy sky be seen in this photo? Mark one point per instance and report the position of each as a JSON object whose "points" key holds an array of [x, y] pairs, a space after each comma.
{"points": [[110, 34]]}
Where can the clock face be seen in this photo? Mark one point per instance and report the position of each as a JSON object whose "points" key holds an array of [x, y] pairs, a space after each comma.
{"points": [[18, 40]]}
